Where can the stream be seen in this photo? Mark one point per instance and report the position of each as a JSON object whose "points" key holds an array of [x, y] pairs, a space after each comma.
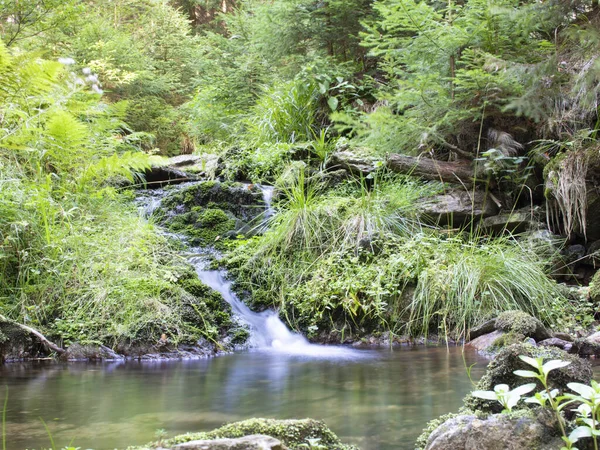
{"points": [[380, 401]]}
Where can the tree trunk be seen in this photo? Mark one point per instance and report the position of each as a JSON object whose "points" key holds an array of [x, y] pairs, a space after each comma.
{"points": [[459, 172]]}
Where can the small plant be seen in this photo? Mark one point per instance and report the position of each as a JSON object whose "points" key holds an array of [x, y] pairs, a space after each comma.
{"points": [[588, 412], [160, 435], [313, 443], [543, 369], [507, 398]]}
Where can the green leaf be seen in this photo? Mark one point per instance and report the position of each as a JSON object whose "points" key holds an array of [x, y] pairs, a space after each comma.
{"points": [[526, 388], [537, 363], [487, 395], [333, 103], [526, 374], [582, 389], [554, 364]]}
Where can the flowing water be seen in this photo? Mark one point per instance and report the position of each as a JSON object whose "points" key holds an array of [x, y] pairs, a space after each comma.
{"points": [[379, 401]]}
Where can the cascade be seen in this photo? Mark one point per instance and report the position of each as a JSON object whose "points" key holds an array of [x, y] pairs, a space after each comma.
{"points": [[267, 331]]}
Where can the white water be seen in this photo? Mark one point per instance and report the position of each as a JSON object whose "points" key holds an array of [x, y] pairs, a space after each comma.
{"points": [[267, 331]]}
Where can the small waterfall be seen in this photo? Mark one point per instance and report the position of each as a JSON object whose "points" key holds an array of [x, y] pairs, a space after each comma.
{"points": [[267, 193], [267, 331]]}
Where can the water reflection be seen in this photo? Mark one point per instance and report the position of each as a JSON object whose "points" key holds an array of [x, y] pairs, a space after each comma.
{"points": [[380, 402]]}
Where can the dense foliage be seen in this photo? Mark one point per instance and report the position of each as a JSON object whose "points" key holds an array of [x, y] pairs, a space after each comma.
{"points": [[90, 90]]}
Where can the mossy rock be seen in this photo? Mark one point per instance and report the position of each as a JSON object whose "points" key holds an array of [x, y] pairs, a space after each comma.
{"points": [[292, 433], [595, 288], [210, 211], [521, 323], [500, 371]]}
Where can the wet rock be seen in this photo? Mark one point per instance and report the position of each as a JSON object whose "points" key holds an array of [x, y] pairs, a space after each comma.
{"points": [[497, 432], [573, 253], [457, 206], [588, 346], [486, 342], [522, 323], [556, 342], [253, 442], [209, 211], [500, 371], [78, 352], [208, 165]]}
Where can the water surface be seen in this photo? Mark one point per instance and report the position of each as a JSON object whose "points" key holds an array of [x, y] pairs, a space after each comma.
{"points": [[380, 401]]}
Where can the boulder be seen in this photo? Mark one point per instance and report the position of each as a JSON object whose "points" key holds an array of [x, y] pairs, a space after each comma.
{"points": [[457, 206], [78, 352], [252, 442], [522, 323], [497, 432], [290, 433], [353, 163], [486, 342]]}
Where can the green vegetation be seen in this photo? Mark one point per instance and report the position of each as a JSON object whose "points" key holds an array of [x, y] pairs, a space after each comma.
{"points": [[76, 259], [506, 90]]}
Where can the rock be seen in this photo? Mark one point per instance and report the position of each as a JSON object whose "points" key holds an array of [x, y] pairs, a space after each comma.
{"points": [[587, 346], [500, 371], [593, 254], [78, 352], [522, 323], [17, 344], [556, 342], [355, 164], [497, 432], [594, 291], [573, 253], [514, 222], [484, 328], [486, 342], [209, 211], [252, 442], [206, 164], [290, 433], [158, 177], [564, 336], [457, 206]]}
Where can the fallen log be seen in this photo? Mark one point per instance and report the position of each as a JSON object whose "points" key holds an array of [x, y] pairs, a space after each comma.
{"points": [[459, 172]]}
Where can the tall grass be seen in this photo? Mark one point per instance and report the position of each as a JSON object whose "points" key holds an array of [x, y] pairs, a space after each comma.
{"points": [[471, 280]]}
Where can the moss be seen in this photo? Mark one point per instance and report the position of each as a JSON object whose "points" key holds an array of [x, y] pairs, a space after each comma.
{"points": [[292, 433], [517, 322], [433, 424], [506, 340], [595, 287]]}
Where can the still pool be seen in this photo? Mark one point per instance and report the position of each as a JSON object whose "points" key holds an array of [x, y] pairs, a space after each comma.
{"points": [[378, 400]]}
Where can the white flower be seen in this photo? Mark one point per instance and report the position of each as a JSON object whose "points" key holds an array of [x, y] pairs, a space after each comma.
{"points": [[66, 61], [86, 71]]}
